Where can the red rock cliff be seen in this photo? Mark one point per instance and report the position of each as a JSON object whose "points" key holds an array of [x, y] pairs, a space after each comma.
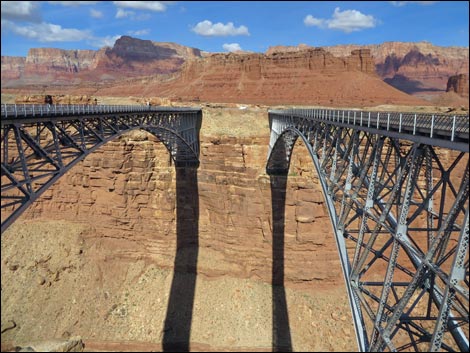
{"points": [[410, 67], [458, 84], [312, 76], [130, 57]]}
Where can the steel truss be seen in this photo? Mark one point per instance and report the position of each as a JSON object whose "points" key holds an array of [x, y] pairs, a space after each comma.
{"points": [[399, 208], [39, 146]]}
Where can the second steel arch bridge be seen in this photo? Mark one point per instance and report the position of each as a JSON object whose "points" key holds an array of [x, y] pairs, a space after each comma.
{"points": [[397, 190]]}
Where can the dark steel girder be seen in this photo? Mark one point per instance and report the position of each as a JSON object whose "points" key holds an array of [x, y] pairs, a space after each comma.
{"points": [[38, 150], [396, 188]]}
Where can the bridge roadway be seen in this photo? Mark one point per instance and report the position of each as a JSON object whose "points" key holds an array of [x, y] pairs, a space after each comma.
{"points": [[396, 186], [397, 189]]}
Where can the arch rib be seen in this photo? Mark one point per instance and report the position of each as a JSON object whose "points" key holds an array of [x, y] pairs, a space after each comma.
{"points": [[401, 209], [38, 150]]}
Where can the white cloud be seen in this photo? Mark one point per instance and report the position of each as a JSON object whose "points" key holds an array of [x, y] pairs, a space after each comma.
{"points": [[231, 47], [144, 5], [312, 21], [140, 32], [207, 28], [72, 3], [403, 3], [96, 14], [21, 11], [347, 21], [48, 32], [107, 41], [120, 13]]}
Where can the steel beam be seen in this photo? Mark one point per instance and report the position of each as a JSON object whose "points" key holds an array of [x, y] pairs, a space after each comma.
{"points": [[403, 209]]}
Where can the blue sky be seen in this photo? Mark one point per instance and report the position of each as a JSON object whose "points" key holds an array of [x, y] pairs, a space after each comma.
{"points": [[221, 26]]}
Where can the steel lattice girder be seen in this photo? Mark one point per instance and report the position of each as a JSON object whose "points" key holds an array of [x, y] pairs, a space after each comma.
{"points": [[399, 211], [36, 151]]}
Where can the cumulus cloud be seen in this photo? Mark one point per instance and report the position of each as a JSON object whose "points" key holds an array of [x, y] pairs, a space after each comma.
{"points": [[144, 5], [96, 14], [403, 3], [312, 21], [347, 21], [207, 28], [139, 32], [120, 13], [100, 42], [21, 11], [231, 47], [48, 32], [72, 3]]}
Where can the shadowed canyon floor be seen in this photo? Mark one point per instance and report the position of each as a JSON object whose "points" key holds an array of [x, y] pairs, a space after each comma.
{"points": [[95, 256]]}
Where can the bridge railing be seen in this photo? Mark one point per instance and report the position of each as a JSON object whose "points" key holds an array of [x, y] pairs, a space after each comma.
{"points": [[38, 110], [429, 125]]}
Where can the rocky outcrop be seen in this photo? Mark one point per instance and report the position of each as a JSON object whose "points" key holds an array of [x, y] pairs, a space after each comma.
{"points": [[312, 76], [74, 344], [414, 68], [135, 57], [129, 57], [12, 67], [56, 99], [46, 60], [458, 84], [126, 190]]}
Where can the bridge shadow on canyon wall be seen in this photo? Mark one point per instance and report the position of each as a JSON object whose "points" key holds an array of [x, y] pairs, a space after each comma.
{"points": [[281, 341], [177, 328]]}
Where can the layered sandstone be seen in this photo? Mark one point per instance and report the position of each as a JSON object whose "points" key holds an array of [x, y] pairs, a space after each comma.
{"points": [[119, 216], [458, 84], [309, 77], [284, 75], [129, 57], [12, 67], [127, 190], [411, 67]]}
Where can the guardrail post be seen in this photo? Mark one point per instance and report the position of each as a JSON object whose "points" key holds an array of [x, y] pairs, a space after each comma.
{"points": [[388, 121], [414, 126], [399, 126], [453, 130], [432, 124]]}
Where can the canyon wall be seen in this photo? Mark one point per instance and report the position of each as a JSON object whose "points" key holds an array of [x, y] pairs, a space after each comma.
{"points": [[129, 57], [410, 67], [126, 191], [311, 77], [458, 84], [283, 75]]}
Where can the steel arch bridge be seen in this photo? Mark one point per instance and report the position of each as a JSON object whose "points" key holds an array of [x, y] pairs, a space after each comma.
{"points": [[397, 190], [40, 143]]}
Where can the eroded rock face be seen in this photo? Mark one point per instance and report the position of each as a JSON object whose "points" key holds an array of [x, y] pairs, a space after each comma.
{"points": [[127, 191], [458, 84], [12, 67], [128, 57], [312, 76], [410, 67]]}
